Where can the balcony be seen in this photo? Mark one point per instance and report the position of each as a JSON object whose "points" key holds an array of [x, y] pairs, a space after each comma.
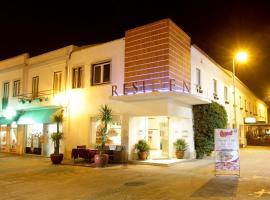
{"points": [[38, 97]]}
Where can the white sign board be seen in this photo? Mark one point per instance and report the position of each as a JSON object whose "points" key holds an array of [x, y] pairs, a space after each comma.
{"points": [[227, 150]]}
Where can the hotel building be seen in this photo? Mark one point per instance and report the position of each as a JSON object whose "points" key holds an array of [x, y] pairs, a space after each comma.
{"points": [[151, 78]]}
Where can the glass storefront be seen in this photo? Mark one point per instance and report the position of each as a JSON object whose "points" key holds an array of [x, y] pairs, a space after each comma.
{"points": [[3, 138], [155, 130], [114, 131], [160, 132], [38, 139], [13, 138]]}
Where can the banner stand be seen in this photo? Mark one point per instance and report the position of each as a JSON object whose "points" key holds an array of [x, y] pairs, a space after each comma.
{"points": [[227, 153]]}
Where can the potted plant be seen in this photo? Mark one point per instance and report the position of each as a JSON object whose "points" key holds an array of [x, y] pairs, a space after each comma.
{"points": [[56, 137], [180, 147], [105, 116], [143, 148]]}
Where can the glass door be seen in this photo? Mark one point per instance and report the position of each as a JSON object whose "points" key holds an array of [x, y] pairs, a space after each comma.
{"points": [[158, 137]]}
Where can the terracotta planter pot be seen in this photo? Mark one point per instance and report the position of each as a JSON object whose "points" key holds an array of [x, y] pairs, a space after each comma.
{"points": [[142, 155], [57, 159], [179, 154], [101, 160]]}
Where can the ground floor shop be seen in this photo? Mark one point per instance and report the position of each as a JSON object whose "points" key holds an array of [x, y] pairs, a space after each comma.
{"points": [[30, 133], [158, 121]]}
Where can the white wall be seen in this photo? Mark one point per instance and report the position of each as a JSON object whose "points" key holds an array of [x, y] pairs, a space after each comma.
{"points": [[211, 70]]}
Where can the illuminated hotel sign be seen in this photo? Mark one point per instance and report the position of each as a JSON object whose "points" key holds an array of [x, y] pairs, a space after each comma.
{"points": [[141, 87]]}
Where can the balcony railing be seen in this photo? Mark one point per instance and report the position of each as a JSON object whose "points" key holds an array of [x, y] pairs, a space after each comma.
{"points": [[40, 96]]}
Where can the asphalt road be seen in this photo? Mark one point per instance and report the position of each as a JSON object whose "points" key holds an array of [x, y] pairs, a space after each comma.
{"points": [[35, 178]]}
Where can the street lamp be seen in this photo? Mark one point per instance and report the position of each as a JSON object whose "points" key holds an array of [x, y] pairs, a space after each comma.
{"points": [[239, 57]]}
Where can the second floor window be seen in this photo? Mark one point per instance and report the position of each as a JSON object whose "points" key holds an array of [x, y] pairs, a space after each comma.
{"points": [[16, 88], [225, 93], [215, 86], [198, 77], [57, 82], [6, 90], [240, 103], [35, 82], [101, 73], [77, 77]]}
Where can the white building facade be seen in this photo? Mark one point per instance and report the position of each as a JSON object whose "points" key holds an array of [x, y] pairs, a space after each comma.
{"points": [[150, 79]]}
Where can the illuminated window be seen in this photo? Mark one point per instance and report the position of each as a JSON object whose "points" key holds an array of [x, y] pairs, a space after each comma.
{"points": [[101, 73], [35, 82], [113, 134], [57, 82], [16, 88], [77, 77]]}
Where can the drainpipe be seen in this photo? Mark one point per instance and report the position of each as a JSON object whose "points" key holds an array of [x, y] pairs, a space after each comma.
{"points": [[67, 77]]}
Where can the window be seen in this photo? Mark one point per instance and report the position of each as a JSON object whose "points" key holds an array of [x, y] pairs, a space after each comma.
{"points": [[101, 73], [6, 90], [35, 82], [57, 82], [240, 103], [16, 88], [198, 77], [77, 76], [225, 94], [215, 86]]}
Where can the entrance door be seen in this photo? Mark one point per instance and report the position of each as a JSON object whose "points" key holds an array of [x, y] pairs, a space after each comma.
{"points": [[158, 137], [13, 139], [3, 138]]}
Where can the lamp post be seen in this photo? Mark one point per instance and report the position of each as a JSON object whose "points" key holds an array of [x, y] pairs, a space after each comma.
{"points": [[240, 57]]}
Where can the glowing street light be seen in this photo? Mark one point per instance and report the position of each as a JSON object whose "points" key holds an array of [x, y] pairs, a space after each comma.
{"points": [[239, 57]]}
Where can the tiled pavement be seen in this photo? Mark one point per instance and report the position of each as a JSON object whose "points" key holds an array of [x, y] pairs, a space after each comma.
{"points": [[34, 178]]}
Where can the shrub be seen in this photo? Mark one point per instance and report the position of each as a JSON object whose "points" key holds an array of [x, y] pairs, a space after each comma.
{"points": [[142, 145], [207, 118], [180, 145]]}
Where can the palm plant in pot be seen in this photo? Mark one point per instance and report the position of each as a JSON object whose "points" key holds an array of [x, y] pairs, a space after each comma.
{"points": [[143, 148], [56, 137], [105, 116], [180, 148]]}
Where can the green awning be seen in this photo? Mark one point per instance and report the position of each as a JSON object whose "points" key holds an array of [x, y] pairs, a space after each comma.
{"points": [[4, 120], [42, 116]]}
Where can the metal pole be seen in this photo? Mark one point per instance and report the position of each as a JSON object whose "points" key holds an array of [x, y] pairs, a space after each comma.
{"points": [[234, 96], [234, 109]]}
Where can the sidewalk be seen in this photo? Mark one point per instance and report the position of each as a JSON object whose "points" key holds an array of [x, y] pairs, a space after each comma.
{"points": [[35, 178]]}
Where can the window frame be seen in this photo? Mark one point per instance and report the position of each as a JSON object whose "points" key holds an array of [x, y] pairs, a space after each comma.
{"points": [[198, 77], [35, 87], [215, 86], [16, 88], [6, 94], [226, 94], [77, 74], [56, 82], [101, 65]]}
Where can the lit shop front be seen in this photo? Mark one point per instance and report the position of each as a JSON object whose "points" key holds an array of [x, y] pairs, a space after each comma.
{"points": [[10, 140], [161, 132], [38, 128], [159, 114], [114, 136]]}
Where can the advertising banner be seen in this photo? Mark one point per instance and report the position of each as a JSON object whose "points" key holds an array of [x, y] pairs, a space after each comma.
{"points": [[227, 150]]}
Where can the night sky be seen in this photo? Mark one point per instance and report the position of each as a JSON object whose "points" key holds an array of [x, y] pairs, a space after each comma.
{"points": [[218, 27]]}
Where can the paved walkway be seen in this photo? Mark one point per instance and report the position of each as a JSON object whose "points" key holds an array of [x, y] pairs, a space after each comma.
{"points": [[34, 178]]}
